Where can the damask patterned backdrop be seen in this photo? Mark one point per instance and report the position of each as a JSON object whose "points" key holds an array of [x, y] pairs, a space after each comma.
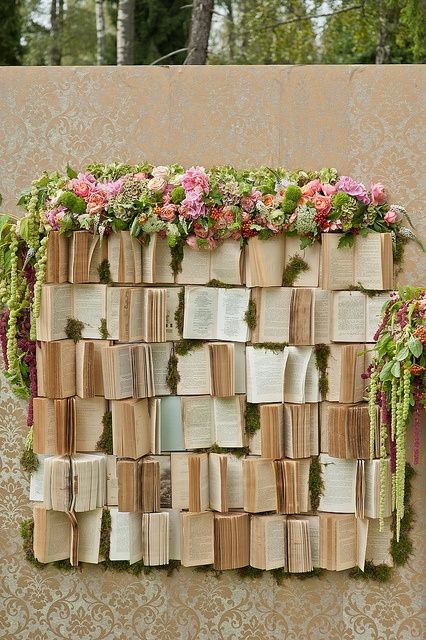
{"points": [[368, 122]]}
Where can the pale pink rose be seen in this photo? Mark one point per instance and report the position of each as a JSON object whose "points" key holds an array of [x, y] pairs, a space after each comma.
{"points": [[95, 203], [311, 187], [322, 203], [167, 212], [191, 241], [328, 189], [157, 184], [161, 172], [378, 194], [391, 216], [140, 176]]}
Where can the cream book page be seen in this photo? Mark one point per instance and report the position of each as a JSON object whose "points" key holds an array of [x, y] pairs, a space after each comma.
{"points": [[174, 533], [197, 539], [314, 536], [160, 359], [312, 392], [373, 314], [195, 266], [232, 305], [89, 535], [225, 262], [114, 251], [88, 419], [362, 535], [274, 314], [136, 313], [339, 477], [36, 480], [113, 312], [275, 541], [58, 536], [311, 255], [55, 308], [334, 372], [90, 307], [172, 303], [348, 318], [197, 418], [346, 543], [379, 542], [180, 480], [295, 373], [111, 481], [368, 261], [135, 537], [227, 422], [163, 273], [321, 316], [339, 263], [265, 374], [124, 372], [265, 261], [194, 371], [234, 482], [120, 538], [215, 481], [201, 312]]}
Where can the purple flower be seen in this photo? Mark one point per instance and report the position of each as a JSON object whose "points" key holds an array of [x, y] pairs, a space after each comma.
{"points": [[54, 217], [353, 188]]}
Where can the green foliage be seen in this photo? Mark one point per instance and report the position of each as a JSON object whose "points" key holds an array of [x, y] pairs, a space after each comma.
{"points": [[402, 550], [219, 285], [73, 203], [281, 574], [73, 329], [104, 443], [370, 293], [322, 353], [316, 483], [29, 460], [161, 26], [209, 568], [26, 529], [375, 572], [185, 346], [176, 253], [250, 315], [177, 195], [104, 544], [295, 266], [276, 347], [104, 271], [180, 311], [172, 377], [252, 418], [250, 573], [238, 452], [10, 32], [103, 329]]}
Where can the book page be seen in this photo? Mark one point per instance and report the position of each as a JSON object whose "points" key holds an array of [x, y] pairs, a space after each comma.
{"points": [[172, 303], [311, 255], [197, 539], [312, 392], [180, 480], [227, 422], [57, 536], [225, 262], [55, 308], [338, 264], [36, 480], [89, 529], [265, 374], [373, 314], [348, 319], [113, 312], [274, 314], [362, 533], [234, 482], [171, 429], [265, 261], [195, 266], [198, 425], [200, 316], [111, 481], [339, 478], [194, 371], [215, 481], [379, 542], [368, 261], [90, 307], [314, 537], [321, 316], [160, 359], [334, 372], [232, 305], [346, 543], [295, 373], [88, 419], [275, 541], [174, 533]]}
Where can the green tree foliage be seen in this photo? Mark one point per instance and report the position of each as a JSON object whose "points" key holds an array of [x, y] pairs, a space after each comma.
{"points": [[10, 32], [161, 26]]}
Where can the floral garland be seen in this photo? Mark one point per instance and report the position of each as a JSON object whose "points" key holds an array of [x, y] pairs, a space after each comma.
{"points": [[398, 387]]}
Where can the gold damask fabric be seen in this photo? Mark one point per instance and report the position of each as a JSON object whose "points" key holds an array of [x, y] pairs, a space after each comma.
{"points": [[368, 122]]}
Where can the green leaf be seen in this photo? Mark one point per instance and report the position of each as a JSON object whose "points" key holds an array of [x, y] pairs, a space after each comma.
{"points": [[118, 224], [386, 373], [396, 369], [401, 355], [305, 242], [23, 229], [415, 347], [346, 241], [135, 229], [23, 197], [71, 173]]}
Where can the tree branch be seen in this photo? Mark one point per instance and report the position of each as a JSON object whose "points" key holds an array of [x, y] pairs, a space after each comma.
{"points": [[168, 55], [318, 15]]}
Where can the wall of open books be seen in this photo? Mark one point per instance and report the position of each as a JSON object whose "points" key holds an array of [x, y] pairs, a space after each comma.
{"points": [[195, 410]]}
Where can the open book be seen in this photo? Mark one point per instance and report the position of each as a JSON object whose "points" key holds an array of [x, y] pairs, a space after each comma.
{"points": [[126, 536], [125, 258], [301, 433], [346, 363], [190, 481], [259, 485], [137, 313], [231, 540], [292, 485], [368, 263], [57, 258], [265, 374], [197, 538], [86, 252], [56, 369], [155, 538], [195, 374], [88, 368], [214, 313], [301, 376], [355, 316], [156, 259], [74, 483], [127, 371], [268, 542], [131, 428], [138, 485], [225, 264], [225, 482], [343, 541], [379, 542], [299, 546], [67, 425], [271, 430], [345, 431], [339, 484], [373, 479], [207, 421]]}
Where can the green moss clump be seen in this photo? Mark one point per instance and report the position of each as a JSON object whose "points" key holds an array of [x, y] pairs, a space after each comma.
{"points": [[276, 347], [64, 565], [73, 203], [238, 452], [316, 483], [281, 574], [371, 293], [252, 418], [250, 573], [29, 460], [180, 311], [398, 248], [209, 568], [295, 266], [104, 271], [291, 198], [378, 573], [402, 549], [26, 529], [172, 377], [250, 315], [103, 329], [316, 572], [176, 253], [74, 329], [104, 443], [322, 353], [177, 194], [219, 284], [104, 544], [185, 346]]}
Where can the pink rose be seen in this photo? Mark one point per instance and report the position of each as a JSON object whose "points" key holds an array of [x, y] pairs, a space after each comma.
{"points": [[167, 212], [95, 203], [140, 176], [161, 172], [391, 216], [322, 203], [200, 231], [356, 189], [378, 195], [311, 187], [328, 189], [191, 241], [81, 188], [157, 184], [195, 179]]}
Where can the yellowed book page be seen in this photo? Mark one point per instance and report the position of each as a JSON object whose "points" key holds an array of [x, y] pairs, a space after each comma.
{"points": [[348, 318], [225, 263], [265, 374], [163, 273], [274, 314], [362, 525], [255, 444], [321, 316], [172, 303], [339, 478], [174, 533], [312, 392], [227, 422], [275, 542], [44, 426], [55, 309], [55, 537], [194, 371], [36, 480], [368, 261], [113, 312], [111, 481], [204, 481], [265, 261], [339, 263], [197, 539], [90, 307], [215, 481], [160, 359], [334, 372], [114, 254], [137, 303], [198, 425], [201, 313], [373, 314], [346, 543], [234, 482], [379, 542], [232, 306], [265, 489], [180, 480], [88, 419], [311, 255], [89, 529], [134, 267], [195, 266], [314, 536]]}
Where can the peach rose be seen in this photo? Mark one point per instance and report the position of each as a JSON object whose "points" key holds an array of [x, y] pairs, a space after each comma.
{"points": [[268, 200], [157, 184], [311, 187], [161, 172], [95, 203], [81, 188], [322, 203], [139, 176], [167, 212]]}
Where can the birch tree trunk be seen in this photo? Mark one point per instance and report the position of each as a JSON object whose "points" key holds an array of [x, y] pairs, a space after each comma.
{"points": [[125, 31], [200, 31], [100, 32]]}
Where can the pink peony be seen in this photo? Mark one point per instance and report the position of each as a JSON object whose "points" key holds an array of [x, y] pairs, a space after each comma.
{"points": [[322, 203], [353, 188], [378, 195], [111, 188], [311, 187], [195, 179], [96, 203], [391, 216], [249, 202], [328, 189]]}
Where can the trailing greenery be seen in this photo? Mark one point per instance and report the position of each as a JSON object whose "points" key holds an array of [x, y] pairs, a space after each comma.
{"points": [[74, 329], [276, 347], [281, 574], [322, 353], [209, 568], [398, 247], [176, 253], [219, 284], [104, 443], [249, 572], [26, 529], [294, 267], [173, 376], [376, 572], [252, 418], [104, 271], [316, 483], [185, 346], [250, 315], [402, 549], [180, 311], [103, 329]]}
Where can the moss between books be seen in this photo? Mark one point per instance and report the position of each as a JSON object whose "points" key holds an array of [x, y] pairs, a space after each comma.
{"points": [[103, 329], [316, 483], [172, 377], [322, 353], [219, 284], [104, 271], [185, 346], [371, 293], [250, 315], [180, 311], [104, 443], [104, 544], [29, 460], [276, 347], [398, 247], [294, 267], [26, 529], [176, 257], [73, 329], [376, 572], [252, 418], [238, 452]]}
